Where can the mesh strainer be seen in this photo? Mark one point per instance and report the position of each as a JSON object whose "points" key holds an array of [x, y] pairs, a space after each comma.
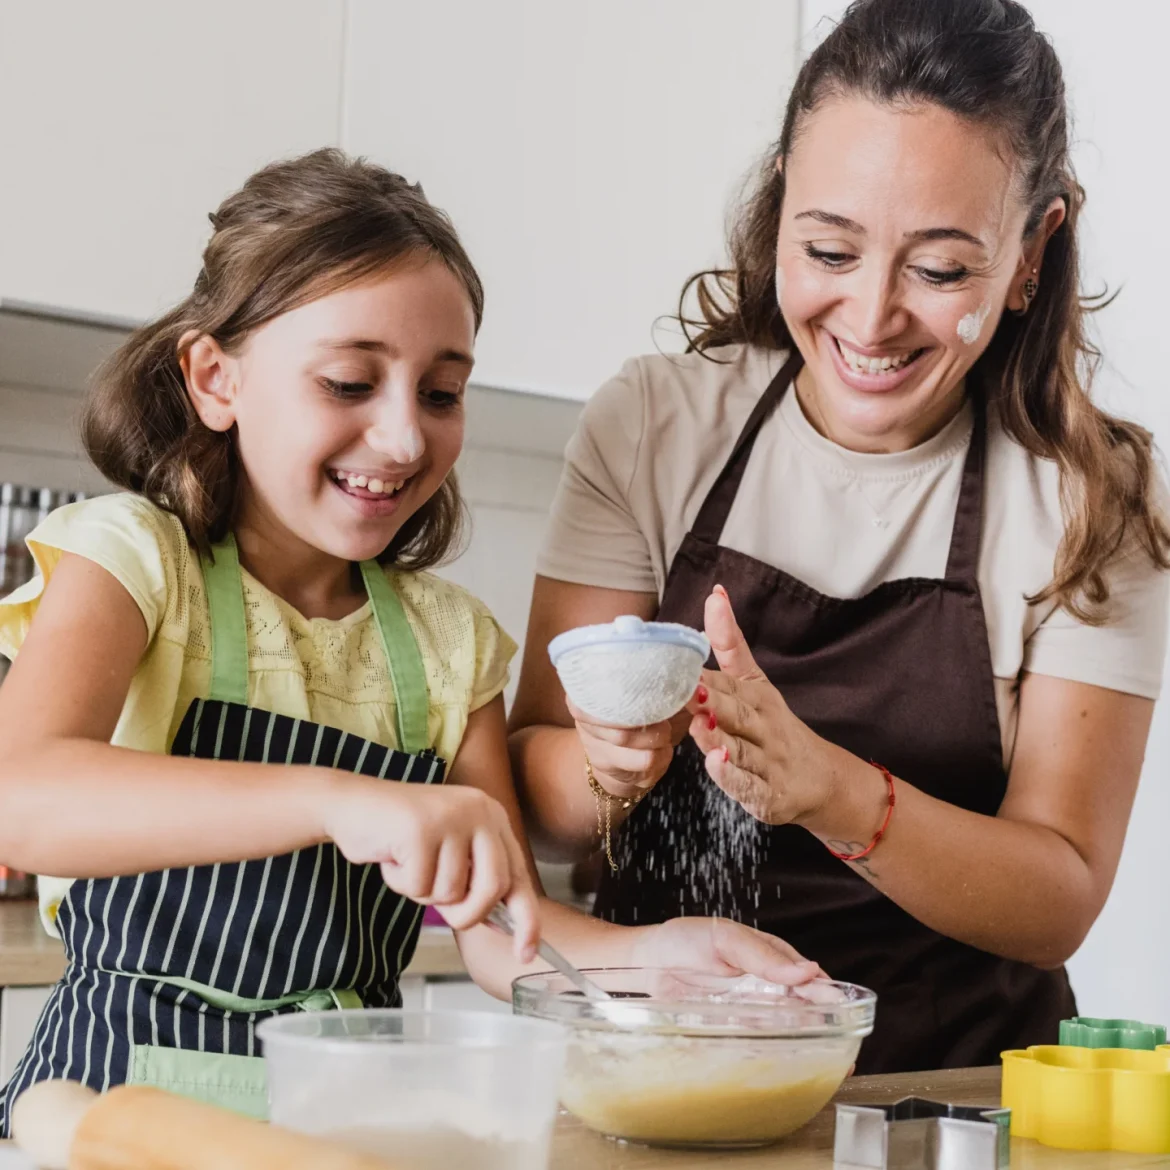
{"points": [[630, 673]]}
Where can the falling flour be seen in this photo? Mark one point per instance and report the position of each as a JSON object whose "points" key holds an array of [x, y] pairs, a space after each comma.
{"points": [[713, 848]]}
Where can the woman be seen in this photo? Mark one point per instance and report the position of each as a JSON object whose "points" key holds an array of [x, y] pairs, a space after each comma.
{"points": [[947, 563]]}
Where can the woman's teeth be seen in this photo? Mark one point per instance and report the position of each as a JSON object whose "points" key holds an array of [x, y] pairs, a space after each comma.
{"points": [[875, 365], [379, 487]]}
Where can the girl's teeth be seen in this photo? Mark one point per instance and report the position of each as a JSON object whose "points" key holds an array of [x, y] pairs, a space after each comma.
{"points": [[377, 486]]}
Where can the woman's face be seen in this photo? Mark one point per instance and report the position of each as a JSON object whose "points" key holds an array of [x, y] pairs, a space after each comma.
{"points": [[900, 242]]}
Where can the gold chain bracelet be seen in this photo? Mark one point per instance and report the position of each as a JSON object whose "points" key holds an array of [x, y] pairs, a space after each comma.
{"points": [[601, 796]]}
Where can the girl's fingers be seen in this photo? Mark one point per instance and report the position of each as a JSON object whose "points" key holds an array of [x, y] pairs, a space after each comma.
{"points": [[755, 953], [489, 882], [415, 877], [453, 872]]}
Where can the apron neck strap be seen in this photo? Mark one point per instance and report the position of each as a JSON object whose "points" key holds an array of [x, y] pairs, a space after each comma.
{"points": [[963, 559], [717, 506], [229, 642]]}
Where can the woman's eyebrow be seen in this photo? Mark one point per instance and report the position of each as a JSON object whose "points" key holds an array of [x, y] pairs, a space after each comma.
{"points": [[923, 235]]}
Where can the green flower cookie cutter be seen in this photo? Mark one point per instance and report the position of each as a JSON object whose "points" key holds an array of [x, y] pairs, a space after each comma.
{"points": [[1087, 1032]]}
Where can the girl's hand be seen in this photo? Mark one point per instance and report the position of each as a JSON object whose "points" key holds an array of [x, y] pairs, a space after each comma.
{"points": [[628, 762], [448, 846], [756, 750], [718, 946]]}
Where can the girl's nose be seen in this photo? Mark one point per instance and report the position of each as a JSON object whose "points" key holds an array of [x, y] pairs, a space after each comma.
{"points": [[396, 431]]}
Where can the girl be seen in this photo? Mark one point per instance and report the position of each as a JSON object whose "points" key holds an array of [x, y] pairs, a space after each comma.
{"points": [[258, 596]]}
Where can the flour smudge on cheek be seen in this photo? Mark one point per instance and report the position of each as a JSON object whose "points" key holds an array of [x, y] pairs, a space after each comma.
{"points": [[971, 326]]}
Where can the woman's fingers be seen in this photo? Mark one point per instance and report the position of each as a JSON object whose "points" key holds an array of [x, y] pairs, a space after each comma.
{"points": [[746, 788], [656, 735], [726, 638]]}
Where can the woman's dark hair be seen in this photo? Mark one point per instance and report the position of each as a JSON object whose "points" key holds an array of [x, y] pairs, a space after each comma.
{"points": [[295, 231], [984, 61]]}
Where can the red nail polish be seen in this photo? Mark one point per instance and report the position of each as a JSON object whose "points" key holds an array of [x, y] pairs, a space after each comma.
{"points": [[726, 755], [712, 722], [702, 694]]}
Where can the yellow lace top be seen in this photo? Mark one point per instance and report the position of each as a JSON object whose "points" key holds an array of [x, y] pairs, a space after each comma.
{"points": [[330, 672]]}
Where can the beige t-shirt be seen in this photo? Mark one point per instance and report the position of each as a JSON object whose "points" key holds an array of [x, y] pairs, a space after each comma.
{"points": [[652, 440]]}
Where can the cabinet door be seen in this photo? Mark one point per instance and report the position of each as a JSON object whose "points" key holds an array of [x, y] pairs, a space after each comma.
{"points": [[587, 152], [126, 122], [20, 1008]]}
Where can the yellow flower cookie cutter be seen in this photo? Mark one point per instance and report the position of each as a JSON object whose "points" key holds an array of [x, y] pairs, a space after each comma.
{"points": [[1090, 1098]]}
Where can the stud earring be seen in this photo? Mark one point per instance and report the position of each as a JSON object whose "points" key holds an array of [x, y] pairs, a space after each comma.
{"points": [[1028, 292]]}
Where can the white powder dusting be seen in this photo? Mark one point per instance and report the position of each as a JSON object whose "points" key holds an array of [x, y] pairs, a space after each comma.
{"points": [[971, 326], [713, 848]]}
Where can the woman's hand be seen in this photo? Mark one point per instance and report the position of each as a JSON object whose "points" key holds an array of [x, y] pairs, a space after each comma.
{"points": [[448, 846], [718, 946], [756, 750], [628, 762]]}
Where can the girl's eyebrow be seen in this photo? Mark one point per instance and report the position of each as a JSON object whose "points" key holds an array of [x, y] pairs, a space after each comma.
{"points": [[371, 345], [923, 235]]}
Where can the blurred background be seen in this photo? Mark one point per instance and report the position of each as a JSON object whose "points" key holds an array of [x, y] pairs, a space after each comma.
{"points": [[588, 154]]}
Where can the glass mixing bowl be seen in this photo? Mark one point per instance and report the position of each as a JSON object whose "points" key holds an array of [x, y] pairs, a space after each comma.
{"points": [[680, 1058]]}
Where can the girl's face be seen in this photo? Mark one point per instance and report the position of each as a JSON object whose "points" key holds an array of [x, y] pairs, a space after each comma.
{"points": [[900, 244], [349, 410]]}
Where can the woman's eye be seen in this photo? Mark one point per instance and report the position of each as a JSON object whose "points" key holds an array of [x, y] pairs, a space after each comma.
{"points": [[827, 259], [341, 389], [941, 278]]}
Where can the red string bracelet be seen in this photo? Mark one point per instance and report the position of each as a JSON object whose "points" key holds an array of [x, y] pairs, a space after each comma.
{"points": [[885, 824]]}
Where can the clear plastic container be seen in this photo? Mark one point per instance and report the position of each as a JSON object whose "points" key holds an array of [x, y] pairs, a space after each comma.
{"points": [[424, 1090], [686, 1059]]}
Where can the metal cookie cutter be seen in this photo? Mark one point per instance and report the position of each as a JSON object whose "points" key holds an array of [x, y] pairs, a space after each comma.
{"points": [[916, 1134]]}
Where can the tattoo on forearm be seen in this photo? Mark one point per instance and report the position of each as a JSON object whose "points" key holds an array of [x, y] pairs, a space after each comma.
{"points": [[862, 863]]}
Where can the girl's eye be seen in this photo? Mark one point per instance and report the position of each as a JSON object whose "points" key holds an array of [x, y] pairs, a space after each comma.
{"points": [[346, 389], [942, 278], [442, 399], [826, 259]]}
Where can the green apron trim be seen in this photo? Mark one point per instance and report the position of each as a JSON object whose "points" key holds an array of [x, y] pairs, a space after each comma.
{"points": [[229, 643], [229, 628], [307, 1001], [239, 1083], [407, 673]]}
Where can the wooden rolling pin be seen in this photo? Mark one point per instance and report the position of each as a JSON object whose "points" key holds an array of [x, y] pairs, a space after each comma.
{"points": [[62, 1125]]}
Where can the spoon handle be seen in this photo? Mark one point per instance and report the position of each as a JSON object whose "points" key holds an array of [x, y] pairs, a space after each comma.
{"points": [[500, 917]]}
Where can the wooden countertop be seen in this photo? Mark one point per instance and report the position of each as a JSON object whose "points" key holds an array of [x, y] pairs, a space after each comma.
{"points": [[575, 1148], [30, 957]]}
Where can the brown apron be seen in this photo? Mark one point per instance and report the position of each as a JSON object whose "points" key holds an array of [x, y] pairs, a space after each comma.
{"points": [[902, 676]]}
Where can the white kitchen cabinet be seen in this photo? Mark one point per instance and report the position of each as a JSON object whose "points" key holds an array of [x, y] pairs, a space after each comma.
{"points": [[461, 995], [124, 123], [20, 1008], [586, 152]]}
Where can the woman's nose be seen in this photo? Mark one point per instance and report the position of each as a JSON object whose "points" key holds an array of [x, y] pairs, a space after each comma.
{"points": [[876, 313], [396, 430]]}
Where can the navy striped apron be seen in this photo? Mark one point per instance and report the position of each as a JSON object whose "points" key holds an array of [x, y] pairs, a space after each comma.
{"points": [[170, 972]]}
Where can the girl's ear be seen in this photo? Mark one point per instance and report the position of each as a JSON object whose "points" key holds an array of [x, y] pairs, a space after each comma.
{"points": [[212, 378]]}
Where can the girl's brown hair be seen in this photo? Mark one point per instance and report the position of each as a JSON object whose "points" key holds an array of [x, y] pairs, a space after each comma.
{"points": [[985, 61], [295, 231]]}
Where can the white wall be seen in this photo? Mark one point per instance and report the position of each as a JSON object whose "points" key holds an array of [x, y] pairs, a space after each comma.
{"points": [[123, 123], [585, 150], [1115, 68]]}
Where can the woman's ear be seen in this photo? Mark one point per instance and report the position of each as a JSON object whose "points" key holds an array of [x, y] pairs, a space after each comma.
{"points": [[1027, 274], [212, 378]]}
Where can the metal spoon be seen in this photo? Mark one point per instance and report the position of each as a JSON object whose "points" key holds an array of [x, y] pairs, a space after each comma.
{"points": [[501, 918]]}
